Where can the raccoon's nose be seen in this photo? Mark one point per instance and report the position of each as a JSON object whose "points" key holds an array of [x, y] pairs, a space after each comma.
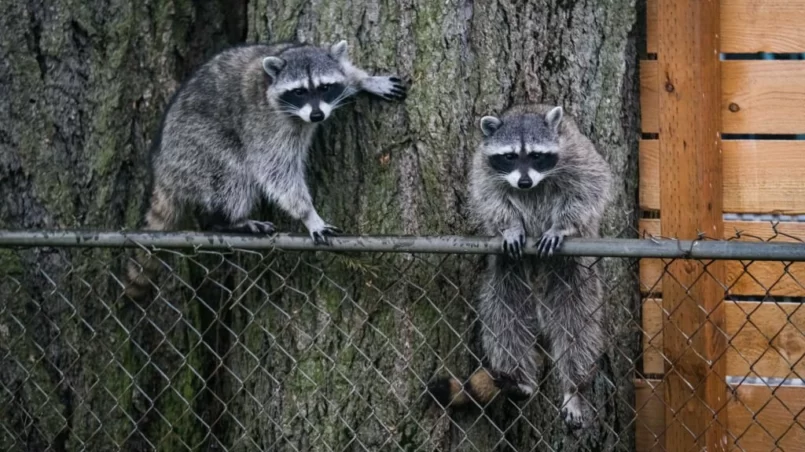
{"points": [[524, 182], [316, 116]]}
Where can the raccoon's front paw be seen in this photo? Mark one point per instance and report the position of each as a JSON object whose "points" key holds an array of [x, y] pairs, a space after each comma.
{"points": [[513, 242], [549, 243], [575, 412], [254, 227], [388, 88], [321, 235], [512, 388]]}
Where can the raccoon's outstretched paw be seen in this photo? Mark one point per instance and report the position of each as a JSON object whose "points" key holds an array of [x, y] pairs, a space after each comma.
{"points": [[549, 243], [387, 88], [321, 236], [253, 227], [513, 243], [574, 412]]}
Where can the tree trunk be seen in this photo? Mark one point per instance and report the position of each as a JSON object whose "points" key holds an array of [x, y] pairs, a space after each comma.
{"points": [[289, 351]]}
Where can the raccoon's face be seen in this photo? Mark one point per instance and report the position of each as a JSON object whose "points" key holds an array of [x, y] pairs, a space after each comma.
{"points": [[306, 82], [522, 150]]}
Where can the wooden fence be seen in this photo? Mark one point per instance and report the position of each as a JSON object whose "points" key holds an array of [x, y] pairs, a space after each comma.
{"points": [[719, 138]]}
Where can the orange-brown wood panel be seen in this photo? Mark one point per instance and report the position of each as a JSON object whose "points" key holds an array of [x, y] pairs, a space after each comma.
{"points": [[749, 26], [649, 416], [748, 278], [763, 418], [691, 200], [759, 176], [764, 339], [763, 96], [649, 116]]}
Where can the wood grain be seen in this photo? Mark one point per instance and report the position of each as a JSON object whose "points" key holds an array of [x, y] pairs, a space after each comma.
{"points": [[691, 199], [742, 278], [764, 339], [759, 176], [749, 26], [763, 418], [763, 96], [649, 116], [649, 416]]}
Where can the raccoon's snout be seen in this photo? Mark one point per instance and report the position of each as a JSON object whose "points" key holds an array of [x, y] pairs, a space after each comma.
{"points": [[316, 115], [524, 183]]}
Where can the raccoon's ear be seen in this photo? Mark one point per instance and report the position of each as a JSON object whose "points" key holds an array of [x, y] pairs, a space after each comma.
{"points": [[273, 65], [554, 118], [490, 125], [339, 50]]}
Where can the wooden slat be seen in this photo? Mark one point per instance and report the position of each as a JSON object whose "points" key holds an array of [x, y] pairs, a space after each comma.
{"points": [[762, 418], [763, 96], [651, 26], [650, 416], [691, 199], [757, 278], [649, 116], [760, 176], [765, 339], [749, 26], [756, 97]]}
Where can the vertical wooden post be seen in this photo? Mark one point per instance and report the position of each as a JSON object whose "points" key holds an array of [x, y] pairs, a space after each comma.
{"points": [[690, 203]]}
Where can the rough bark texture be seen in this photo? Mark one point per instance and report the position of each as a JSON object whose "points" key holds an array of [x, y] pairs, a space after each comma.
{"points": [[339, 362]]}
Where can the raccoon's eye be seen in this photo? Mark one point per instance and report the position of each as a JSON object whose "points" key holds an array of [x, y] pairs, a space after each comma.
{"points": [[325, 87], [510, 156], [536, 155], [299, 91]]}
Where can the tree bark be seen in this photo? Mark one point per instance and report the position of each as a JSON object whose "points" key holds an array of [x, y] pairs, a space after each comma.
{"points": [[290, 351]]}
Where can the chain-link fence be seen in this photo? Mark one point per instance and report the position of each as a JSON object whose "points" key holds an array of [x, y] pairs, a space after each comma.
{"points": [[273, 344]]}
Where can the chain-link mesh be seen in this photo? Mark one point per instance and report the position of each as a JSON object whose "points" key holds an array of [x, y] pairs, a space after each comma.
{"points": [[335, 350]]}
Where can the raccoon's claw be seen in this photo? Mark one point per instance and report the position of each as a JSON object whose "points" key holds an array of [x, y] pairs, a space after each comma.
{"points": [[573, 413], [549, 243], [254, 227], [387, 88], [513, 243], [321, 236]]}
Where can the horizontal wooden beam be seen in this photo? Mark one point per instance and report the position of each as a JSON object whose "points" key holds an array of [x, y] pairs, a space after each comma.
{"points": [[760, 418], [764, 339], [758, 278], [759, 176], [756, 97], [749, 26]]}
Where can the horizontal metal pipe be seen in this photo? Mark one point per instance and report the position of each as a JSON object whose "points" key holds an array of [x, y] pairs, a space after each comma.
{"points": [[603, 247]]}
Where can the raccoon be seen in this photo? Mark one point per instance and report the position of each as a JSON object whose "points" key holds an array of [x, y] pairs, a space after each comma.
{"points": [[239, 129], [536, 175]]}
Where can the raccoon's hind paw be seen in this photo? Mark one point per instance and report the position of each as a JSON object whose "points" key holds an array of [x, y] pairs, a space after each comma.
{"points": [[549, 243], [321, 236], [388, 88], [574, 412], [253, 227], [513, 243]]}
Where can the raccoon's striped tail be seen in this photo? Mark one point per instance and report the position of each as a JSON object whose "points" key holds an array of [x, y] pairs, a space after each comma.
{"points": [[142, 270], [479, 389]]}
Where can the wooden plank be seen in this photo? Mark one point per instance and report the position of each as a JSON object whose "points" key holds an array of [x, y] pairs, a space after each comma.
{"points": [[763, 96], [651, 26], [759, 176], [749, 26], [649, 416], [691, 199], [742, 278], [765, 339], [649, 116], [763, 418]]}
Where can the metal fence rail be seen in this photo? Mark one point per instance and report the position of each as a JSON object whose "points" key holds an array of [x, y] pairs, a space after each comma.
{"points": [[267, 343]]}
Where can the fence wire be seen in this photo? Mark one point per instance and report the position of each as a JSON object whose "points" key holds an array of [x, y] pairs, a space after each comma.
{"points": [[280, 345]]}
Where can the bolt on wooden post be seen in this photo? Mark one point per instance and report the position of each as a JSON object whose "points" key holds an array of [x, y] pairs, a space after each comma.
{"points": [[695, 389]]}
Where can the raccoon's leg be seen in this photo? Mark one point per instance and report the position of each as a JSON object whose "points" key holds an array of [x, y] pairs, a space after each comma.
{"points": [[219, 222], [163, 214], [508, 335], [384, 86], [293, 196], [572, 315]]}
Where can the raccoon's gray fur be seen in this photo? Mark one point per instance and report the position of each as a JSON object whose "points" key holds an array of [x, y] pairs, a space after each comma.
{"points": [[239, 129], [536, 175]]}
